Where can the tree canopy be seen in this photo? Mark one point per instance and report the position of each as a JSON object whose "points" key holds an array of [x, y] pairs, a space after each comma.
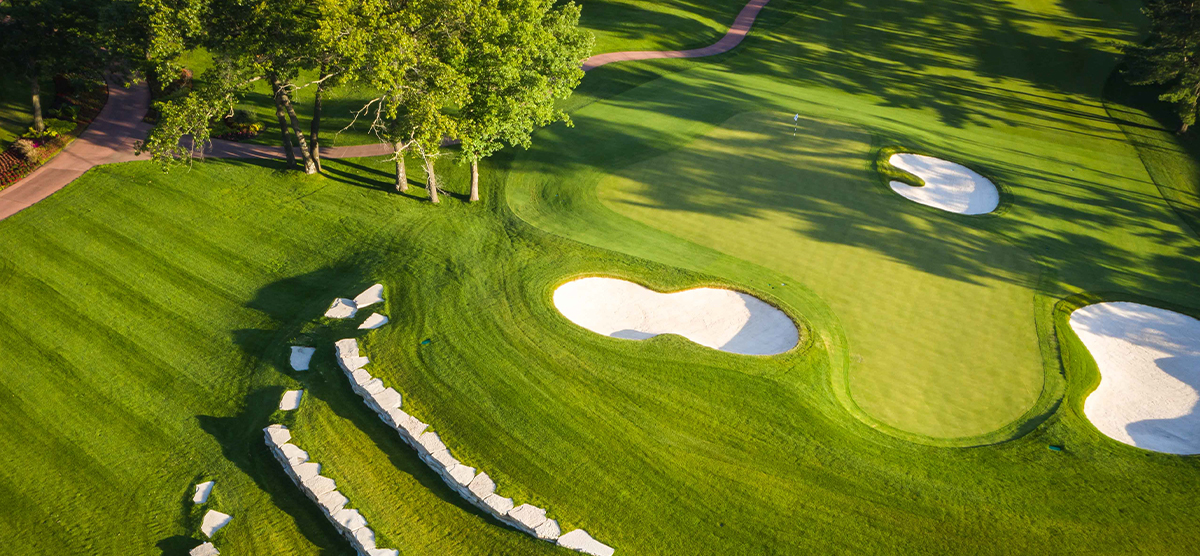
{"points": [[1171, 56]]}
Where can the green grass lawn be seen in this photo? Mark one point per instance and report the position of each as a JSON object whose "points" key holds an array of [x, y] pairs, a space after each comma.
{"points": [[152, 315], [145, 317]]}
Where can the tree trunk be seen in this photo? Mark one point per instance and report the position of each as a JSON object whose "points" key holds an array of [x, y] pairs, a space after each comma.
{"points": [[283, 125], [314, 132], [301, 144], [401, 172], [474, 181], [431, 180], [1183, 128], [38, 124]]}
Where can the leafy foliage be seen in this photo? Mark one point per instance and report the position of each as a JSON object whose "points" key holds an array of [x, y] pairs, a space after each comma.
{"points": [[1171, 57]]}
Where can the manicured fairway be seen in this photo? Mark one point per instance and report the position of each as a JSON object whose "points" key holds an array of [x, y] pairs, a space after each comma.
{"points": [[1081, 211], [935, 349]]}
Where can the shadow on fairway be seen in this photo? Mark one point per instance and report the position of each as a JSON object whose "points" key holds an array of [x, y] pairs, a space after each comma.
{"points": [[297, 305], [178, 545], [242, 442]]}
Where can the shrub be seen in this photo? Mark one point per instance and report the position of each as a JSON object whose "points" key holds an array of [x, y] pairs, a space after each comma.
{"points": [[54, 128], [23, 148], [232, 130], [243, 116], [67, 112]]}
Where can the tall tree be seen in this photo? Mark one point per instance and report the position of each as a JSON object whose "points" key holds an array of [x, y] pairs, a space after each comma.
{"points": [[412, 60], [521, 57], [39, 38], [1171, 56]]}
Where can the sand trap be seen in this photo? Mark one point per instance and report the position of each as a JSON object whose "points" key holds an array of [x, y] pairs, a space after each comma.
{"points": [[1149, 361], [213, 522], [721, 319], [202, 491], [206, 549], [948, 186], [301, 356], [374, 321], [291, 400], [342, 308], [369, 297]]}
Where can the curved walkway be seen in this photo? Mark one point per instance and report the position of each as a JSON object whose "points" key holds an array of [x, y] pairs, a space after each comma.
{"points": [[741, 26], [112, 135]]}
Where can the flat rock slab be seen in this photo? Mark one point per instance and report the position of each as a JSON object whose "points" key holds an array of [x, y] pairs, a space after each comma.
{"points": [[206, 549], [290, 400], [374, 321], [342, 308], [278, 434], [528, 515], [301, 356], [948, 186], [370, 296], [580, 541], [202, 491], [1149, 362], [213, 521]]}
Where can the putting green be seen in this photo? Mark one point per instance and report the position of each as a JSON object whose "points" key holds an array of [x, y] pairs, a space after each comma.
{"points": [[932, 352]]}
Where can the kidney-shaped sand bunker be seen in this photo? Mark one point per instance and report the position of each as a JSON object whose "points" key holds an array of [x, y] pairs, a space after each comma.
{"points": [[717, 318], [1149, 361], [948, 186]]}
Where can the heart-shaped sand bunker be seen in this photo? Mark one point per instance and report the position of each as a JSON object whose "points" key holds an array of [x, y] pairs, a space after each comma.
{"points": [[717, 318]]}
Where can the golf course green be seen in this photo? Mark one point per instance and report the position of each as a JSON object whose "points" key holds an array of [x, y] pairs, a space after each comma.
{"points": [[146, 317]]}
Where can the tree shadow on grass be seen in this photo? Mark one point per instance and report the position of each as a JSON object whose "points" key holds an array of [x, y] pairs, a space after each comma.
{"points": [[178, 545], [242, 442], [297, 305]]}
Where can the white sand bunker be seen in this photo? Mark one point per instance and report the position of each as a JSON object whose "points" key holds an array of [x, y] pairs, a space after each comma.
{"points": [[721, 319], [1149, 361], [948, 186]]}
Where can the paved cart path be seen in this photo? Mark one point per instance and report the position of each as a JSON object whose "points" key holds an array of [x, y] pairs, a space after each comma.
{"points": [[112, 135]]}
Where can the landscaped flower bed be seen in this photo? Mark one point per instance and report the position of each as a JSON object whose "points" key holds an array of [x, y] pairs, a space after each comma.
{"points": [[26, 154]]}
